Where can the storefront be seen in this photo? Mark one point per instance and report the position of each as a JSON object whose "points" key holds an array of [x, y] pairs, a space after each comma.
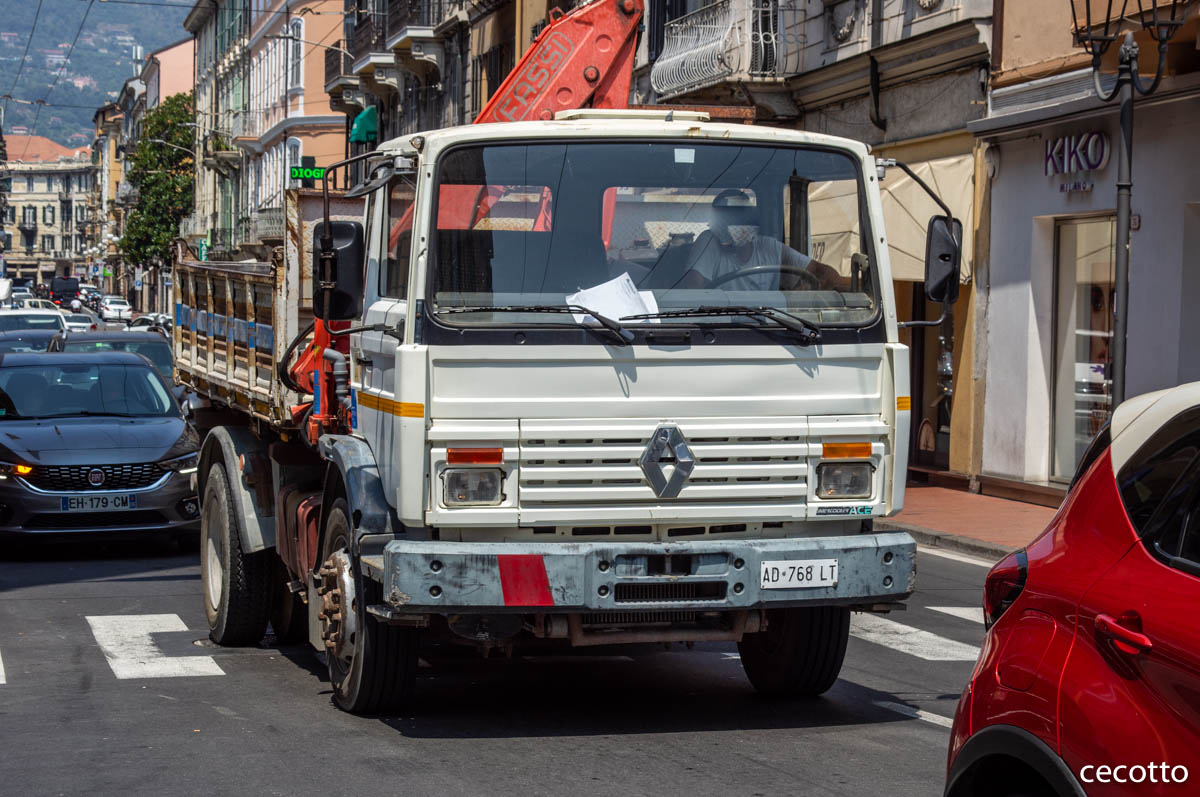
{"points": [[1050, 274]]}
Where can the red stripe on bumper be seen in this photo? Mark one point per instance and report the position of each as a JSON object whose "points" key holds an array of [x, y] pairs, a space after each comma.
{"points": [[524, 581]]}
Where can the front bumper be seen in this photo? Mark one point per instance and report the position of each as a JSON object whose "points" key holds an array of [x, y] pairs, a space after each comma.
{"points": [[28, 512], [443, 577]]}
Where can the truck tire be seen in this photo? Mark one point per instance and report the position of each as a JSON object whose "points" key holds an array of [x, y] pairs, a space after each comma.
{"points": [[800, 653], [372, 666], [237, 586]]}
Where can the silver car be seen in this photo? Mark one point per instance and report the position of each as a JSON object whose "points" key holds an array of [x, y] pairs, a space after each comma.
{"points": [[93, 443]]}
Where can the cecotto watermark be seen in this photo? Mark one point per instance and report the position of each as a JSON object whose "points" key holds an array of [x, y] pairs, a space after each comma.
{"points": [[1134, 773]]}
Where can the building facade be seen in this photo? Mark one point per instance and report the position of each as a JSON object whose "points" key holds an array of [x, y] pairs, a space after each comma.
{"points": [[105, 216], [1051, 155], [47, 210]]}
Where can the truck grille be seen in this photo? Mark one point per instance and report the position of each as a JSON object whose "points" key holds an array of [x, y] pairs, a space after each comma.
{"points": [[74, 478], [670, 592], [751, 461]]}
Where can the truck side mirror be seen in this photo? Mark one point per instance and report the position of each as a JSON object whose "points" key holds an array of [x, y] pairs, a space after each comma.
{"points": [[344, 281], [943, 257]]}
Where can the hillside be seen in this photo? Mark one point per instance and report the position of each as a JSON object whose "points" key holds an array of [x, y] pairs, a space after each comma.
{"points": [[113, 38]]}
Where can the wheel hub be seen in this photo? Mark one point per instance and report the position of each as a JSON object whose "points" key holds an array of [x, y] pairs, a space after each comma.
{"points": [[339, 605]]}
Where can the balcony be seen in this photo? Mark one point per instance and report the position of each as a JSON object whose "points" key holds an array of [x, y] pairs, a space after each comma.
{"points": [[222, 240], [127, 194], [341, 84], [27, 224], [245, 232], [373, 62], [269, 225], [411, 38], [246, 125], [729, 42]]}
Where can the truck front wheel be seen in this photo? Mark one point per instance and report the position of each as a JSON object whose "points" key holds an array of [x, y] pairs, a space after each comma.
{"points": [[237, 585], [372, 665], [800, 653]]}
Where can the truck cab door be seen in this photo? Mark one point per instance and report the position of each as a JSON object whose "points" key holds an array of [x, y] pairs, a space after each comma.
{"points": [[389, 226]]}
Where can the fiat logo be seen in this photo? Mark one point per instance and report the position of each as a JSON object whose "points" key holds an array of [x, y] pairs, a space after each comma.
{"points": [[95, 477]]}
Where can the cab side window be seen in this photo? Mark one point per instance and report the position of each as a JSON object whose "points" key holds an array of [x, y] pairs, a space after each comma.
{"points": [[393, 277]]}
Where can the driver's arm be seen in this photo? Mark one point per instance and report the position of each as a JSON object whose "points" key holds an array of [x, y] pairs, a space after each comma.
{"points": [[826, 275]]}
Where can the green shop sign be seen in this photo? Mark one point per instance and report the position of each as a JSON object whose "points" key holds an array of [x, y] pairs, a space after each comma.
{"points": [[307, 173]]}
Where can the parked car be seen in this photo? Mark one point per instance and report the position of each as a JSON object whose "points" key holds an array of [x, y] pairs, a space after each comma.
{"points": [[26, 340], [93, 443], [11, 320], [114, 308], [79, 322], [40, 304], [150, 321], [155, 348], [1089, 675]]}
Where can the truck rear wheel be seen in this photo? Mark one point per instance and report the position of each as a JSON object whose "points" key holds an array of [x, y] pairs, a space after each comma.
{"points": [[800, 653], [372, 665], [237, 586]]}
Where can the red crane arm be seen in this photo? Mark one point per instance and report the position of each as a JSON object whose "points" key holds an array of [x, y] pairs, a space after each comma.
{"points": [[583, 59]]}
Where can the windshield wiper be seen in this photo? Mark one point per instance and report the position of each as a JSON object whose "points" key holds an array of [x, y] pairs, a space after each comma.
{"points": [[623, 335], [101, 414], [810, 333]]}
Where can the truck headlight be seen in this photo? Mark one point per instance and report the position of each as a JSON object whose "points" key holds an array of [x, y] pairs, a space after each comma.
{"points": [[844, 480], [472, 487]]}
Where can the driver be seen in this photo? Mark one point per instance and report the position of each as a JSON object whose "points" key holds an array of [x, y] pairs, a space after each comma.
{"points": [[733, 243]]}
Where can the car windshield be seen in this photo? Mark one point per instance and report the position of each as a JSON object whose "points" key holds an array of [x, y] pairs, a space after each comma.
{"points": [[12, 322], [157, 351], [49, 390], [79, 318], [18, 344], [659, 226]]}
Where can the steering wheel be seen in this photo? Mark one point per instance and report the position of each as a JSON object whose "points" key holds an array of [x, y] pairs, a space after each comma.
{"points": [[804, 274]]}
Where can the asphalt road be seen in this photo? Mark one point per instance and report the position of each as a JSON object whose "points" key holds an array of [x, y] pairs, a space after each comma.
{"points": [[260, 721]]}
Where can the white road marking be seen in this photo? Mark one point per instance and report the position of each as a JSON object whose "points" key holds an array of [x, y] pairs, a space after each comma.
{"points": [[957, 557], [907, 639], [2, 681], [915, 713], [971, 613], [131, 653]]}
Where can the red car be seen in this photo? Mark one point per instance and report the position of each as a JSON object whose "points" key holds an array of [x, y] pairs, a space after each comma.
{"points": [[1088, 681]]}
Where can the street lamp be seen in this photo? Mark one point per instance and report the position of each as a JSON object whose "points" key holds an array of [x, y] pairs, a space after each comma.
{"points": [[1096, 35], [169, 144]]}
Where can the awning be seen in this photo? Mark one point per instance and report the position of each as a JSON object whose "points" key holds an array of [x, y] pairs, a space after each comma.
{"points": [[907, 208], [366, 126]]}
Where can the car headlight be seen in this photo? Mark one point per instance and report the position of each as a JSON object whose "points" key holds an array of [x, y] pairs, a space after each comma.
{"points": [[472, 487], [185, 464], [844, 480], [9, 469]]}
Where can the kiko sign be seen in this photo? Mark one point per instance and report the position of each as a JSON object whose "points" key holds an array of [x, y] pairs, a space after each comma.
{"points": [[1075, 154]]}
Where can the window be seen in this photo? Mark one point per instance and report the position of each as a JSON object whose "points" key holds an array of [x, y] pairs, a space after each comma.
{"points": [[29, 184], [80, 213], [53, 390], [48, 214], [10, 214], [47, 243], [393, 281], [66, 182], [294, 152], [78, 243], [295, 75], [29, 214], [1085, 262]]}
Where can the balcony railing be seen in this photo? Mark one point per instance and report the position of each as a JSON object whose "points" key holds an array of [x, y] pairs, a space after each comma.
{"points": [[245, 231], [729, 39], [246, 124], [269, 224], [27, 224], [222, 239], [403, 14], [337, 63], [370, 32], [192, 226]]}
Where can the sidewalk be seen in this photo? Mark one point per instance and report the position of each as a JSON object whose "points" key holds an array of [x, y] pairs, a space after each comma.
{"points": [[980, 525]]}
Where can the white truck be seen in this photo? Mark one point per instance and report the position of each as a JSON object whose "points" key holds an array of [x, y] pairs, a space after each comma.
{"points": [[612, 378]]}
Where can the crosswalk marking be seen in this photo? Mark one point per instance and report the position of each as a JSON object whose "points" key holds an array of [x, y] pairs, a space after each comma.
{"points": [[2, 681], [972, 613], [131, 653], [912, 641], [915, 713]]}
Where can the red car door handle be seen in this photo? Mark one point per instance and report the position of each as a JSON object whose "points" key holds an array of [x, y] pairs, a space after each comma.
{"points": [[1126, 639]]}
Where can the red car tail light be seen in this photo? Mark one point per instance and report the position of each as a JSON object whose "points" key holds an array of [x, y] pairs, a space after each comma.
{"points": [[1003, 586]]}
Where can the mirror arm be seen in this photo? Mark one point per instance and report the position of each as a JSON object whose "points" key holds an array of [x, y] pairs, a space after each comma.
{"points": [[935, 323], [886, 162]]}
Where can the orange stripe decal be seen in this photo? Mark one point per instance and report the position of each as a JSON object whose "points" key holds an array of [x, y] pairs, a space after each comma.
{"points": [[903, 403], [403, 409]]}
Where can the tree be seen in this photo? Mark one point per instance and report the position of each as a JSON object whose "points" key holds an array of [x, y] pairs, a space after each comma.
{"points": [[163, 173]]}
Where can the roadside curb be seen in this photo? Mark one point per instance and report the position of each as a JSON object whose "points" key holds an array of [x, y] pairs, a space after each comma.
{"points": [[949, 542]]}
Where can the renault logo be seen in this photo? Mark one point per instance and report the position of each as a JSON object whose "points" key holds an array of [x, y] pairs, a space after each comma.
{"points": [[667, 446]]}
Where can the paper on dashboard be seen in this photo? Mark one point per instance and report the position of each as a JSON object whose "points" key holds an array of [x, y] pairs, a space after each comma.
{"points": [[615, 299]]}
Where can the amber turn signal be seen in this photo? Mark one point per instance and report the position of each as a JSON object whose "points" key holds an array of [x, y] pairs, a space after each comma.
{"points": [[845, 450], [474, 456]]}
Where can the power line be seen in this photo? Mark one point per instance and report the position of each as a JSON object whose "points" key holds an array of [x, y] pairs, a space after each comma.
{"points": [[70, 50], [28, 42]]}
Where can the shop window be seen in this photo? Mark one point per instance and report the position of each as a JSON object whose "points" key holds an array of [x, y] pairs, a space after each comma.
{"points": [[1084, 282]]}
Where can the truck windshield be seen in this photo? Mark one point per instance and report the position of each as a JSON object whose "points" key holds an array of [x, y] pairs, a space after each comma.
{"points": [[642, 229]]}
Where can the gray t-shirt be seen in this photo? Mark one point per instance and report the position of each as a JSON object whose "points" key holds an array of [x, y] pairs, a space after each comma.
{"points": [[711, 260]]}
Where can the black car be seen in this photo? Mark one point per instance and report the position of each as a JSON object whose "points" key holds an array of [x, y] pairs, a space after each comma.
{"points": [[26, 340], [93, 443], [155, 348]]}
